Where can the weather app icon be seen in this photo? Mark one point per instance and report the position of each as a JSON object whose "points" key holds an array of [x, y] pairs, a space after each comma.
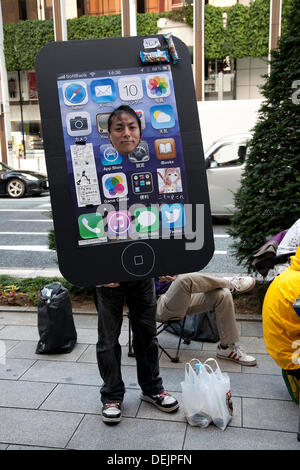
{"points": [[162, 116], [75, 93]]}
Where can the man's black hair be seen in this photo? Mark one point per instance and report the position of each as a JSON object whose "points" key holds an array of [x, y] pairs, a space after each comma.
{"points": [[124, 108]]}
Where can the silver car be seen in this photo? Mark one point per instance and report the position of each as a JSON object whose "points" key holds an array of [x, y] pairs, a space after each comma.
{"points": [[225, 163]]}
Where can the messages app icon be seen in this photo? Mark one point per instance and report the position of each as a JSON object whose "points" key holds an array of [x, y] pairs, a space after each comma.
{"points": [[146, 219], [162, 116], [103, 90]]}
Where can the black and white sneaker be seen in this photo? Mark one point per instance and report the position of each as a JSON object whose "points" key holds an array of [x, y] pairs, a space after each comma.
{"points": [[111, 412], [163, 401]]}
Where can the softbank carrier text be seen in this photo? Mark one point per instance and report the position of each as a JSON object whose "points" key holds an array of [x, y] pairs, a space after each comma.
{"points": [[161, 459]]}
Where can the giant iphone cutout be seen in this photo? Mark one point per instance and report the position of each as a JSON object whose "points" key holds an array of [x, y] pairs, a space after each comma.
{"points": [[123, 216]]}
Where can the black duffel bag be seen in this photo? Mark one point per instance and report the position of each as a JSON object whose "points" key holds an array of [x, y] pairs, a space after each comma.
{"points": [[198, 327], [55, 320]]}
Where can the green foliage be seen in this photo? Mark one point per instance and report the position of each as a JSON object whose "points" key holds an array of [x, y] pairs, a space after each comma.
{"points": [[269, 198], [246, 34]]}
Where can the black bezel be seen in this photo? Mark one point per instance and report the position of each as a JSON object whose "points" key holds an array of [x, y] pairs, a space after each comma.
{"points": [[98, 264]]}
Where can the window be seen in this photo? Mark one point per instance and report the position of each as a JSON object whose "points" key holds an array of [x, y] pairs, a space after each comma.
{"points": [[231, 154]]}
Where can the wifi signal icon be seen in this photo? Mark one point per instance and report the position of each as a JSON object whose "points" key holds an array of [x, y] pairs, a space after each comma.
{"points": [[92, 74]]}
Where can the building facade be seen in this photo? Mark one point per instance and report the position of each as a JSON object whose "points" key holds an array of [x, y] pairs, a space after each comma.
{"points": [[233, 79]]}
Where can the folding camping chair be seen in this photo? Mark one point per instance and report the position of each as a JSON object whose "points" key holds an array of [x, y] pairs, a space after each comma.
{"points": [[162, 327]]}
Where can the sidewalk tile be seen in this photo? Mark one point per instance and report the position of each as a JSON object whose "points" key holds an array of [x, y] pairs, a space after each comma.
{"points": [[212, 438], [265, 365], [23, 332], [251, 328], [129, 434], [13, 369], [258, 386], [36, 427], [20, 394], [275, 415], [86, 399], [26, 349], [63, 372]]}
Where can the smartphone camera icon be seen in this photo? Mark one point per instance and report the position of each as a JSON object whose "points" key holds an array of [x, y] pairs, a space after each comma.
{"points": [[78, 123], [109, 155], [142, 183], [140, 154], [90, 225]]}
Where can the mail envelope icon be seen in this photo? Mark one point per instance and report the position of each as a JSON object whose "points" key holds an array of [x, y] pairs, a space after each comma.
{"points": [[104, 90]]}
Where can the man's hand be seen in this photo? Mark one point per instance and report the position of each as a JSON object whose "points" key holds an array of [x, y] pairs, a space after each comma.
{"points": [[167, 278], [112, 284]]}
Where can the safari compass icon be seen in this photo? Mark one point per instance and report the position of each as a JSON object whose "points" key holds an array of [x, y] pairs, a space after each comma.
{"points": [[75, 93]]}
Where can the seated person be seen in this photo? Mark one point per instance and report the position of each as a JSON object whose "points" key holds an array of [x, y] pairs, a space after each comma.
{"points": [[191, 293], [288, 244], [281, 324]]}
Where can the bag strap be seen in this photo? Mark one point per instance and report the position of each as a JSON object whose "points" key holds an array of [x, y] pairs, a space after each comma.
{"points": [[212, 359]]}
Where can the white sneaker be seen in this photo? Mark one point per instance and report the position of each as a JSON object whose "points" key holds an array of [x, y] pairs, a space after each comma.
{"points": [[241, 284], [235, 353]]}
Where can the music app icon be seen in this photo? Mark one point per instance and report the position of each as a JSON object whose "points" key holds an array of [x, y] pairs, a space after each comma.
{"points": [[118, 223]]}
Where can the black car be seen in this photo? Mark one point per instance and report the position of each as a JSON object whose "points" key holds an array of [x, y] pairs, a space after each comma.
{"points": [[17, 183]]}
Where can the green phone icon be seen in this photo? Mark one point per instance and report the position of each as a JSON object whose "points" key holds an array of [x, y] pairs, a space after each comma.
{"points": [[91, 225], [147, 219]]}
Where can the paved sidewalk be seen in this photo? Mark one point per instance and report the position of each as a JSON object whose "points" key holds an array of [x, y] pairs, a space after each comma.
{"points": [[52, 402]]}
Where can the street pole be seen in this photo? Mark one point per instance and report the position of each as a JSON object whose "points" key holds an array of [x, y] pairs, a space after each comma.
{"points": [[5, 125], [275, 27], [198, 53], [59, 19], [128, 15]]}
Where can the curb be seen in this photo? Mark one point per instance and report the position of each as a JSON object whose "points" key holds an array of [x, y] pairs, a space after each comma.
{"points": [[78, 311]]}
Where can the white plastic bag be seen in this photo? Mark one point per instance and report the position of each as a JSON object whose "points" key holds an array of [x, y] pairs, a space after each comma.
{"points": [[206, 395]]}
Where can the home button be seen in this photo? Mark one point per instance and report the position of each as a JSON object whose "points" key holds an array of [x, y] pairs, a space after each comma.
{"points": [[138, 259]]}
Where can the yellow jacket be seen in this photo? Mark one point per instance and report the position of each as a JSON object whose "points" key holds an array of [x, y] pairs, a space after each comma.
{"points": [[281, 324]]}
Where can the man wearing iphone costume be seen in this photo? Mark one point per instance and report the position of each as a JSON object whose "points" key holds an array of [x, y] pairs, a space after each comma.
{"points": [[124, 130]]}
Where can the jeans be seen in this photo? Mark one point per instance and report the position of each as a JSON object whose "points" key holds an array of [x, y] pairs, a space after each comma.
{"points": [[141, 301]]}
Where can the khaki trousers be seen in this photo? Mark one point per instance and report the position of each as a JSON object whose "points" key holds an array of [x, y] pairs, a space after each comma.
{"points": [[197, 293]]}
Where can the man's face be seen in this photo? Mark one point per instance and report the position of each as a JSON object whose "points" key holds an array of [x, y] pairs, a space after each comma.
{"points": [[124, 133]]}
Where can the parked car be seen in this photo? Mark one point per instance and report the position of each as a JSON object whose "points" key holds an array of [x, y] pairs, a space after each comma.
{"points": [[17, 183], [225, 163]]}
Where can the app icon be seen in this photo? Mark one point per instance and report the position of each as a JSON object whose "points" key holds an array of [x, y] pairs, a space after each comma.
{"points": [[114, 185], [141, 116], [142, 183], [169, 180], [109, 155], [140, 153], [158, 86], [146, 219], [130, 88], [103, 90], [165, 148], [172, 215], [162, 116], [118, 222], [102, 122], [90, 225], [78, 123], [75, 93]]}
